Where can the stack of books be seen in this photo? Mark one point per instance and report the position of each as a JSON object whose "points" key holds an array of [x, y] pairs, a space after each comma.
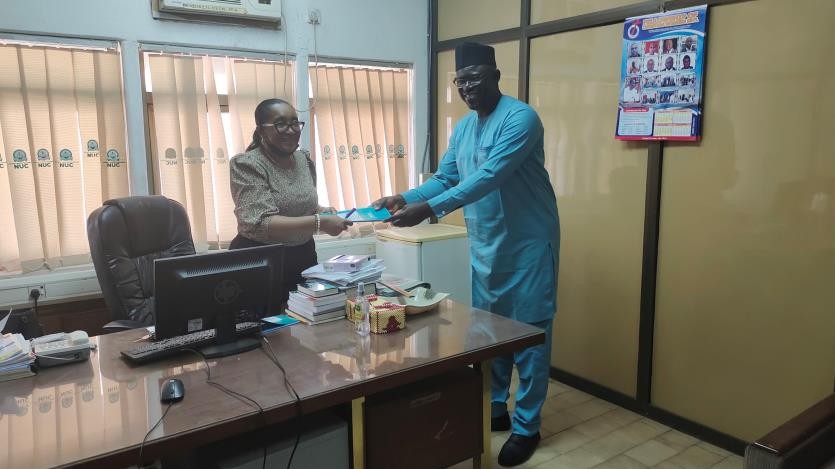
{"points": [[16, 357], [316, 302]]}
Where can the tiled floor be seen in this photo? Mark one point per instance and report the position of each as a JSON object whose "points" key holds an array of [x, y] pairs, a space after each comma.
{"points": [[580, 431]]}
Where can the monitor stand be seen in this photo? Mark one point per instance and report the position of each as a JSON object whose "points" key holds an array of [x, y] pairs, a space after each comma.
{"points": [[241, 345], [227, 342]]}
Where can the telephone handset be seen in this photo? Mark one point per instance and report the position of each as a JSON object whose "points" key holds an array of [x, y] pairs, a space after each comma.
{"points": [[61, 348]]}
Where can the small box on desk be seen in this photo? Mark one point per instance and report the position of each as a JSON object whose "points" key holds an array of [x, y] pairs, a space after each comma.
{"points": [[434, 423], [384, 315], [345, 263]]}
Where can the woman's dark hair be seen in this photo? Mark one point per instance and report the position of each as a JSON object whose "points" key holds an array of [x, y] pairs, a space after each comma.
{"points": [[261, 117]]}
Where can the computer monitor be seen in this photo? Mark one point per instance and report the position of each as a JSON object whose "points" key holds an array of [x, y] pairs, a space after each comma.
{"points": [[212, 291]]}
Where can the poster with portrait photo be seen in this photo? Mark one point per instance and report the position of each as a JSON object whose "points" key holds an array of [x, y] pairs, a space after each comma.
{"points": [[668, 63], [635, 66], [667, 96], [669, 45], [635, 49], [652, 80], [668, 80], [688, 43], [687, 79], [687, 62], [650, 64], [631, 93], [671, 49], [685, 95], [652, 47]]}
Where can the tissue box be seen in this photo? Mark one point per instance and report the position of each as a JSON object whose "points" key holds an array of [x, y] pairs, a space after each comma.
{"points": [[384, 315]]}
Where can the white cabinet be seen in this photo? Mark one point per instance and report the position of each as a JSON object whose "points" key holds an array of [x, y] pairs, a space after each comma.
{"points": [[328, 247], [438, 254]]}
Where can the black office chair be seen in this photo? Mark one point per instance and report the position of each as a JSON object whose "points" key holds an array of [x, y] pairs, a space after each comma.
{"points": [[125, 236]]}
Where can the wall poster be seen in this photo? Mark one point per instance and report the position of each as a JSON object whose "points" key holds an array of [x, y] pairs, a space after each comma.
{"points": [[662, 70]]}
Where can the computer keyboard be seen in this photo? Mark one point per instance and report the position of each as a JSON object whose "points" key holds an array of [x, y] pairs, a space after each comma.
{"points": [[153, 351]]}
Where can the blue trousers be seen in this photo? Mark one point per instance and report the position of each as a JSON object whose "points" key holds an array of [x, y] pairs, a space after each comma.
{"points": [[533, 365]]}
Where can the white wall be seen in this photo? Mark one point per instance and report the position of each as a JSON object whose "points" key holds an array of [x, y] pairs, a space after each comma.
{"points": [[384, 30]]}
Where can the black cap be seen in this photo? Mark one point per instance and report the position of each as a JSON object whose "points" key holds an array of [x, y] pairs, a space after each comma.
{"points": [[473, 53]]}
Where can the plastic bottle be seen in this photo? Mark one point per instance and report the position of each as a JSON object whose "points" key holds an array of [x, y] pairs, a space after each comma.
{"points": [[364, 322]]}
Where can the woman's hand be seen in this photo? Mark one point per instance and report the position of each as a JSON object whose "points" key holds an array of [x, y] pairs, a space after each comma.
{"points": [[333, 225], [327, 210]]}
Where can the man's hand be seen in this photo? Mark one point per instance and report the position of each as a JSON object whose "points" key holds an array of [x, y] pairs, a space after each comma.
{"points": [[411, 215], [393, 203]]}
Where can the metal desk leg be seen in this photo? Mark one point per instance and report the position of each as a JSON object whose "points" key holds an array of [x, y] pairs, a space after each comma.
{"points": [[358, 433], [483, 460]]}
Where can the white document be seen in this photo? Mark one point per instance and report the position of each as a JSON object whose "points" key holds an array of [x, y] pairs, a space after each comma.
{"points": [[5, 320]]}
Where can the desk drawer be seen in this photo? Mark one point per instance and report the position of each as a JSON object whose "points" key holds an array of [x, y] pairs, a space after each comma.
{"points": [[432, 424]]}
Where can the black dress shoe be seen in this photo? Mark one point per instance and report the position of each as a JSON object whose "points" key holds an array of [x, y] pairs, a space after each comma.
{"points": [[500, 423], [518, 449]]}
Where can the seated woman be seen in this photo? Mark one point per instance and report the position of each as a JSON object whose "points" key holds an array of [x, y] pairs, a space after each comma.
{"points": [[274, 191]]}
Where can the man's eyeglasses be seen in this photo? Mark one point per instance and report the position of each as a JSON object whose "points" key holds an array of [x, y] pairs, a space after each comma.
{"points": [[462, 83], [297, 126]]}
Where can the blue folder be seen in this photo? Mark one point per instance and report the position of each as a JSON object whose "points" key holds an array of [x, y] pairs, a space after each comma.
{"points": [[365, 214]]}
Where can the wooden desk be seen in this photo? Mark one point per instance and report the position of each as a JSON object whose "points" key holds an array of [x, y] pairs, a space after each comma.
{"points": [[95, 414]]}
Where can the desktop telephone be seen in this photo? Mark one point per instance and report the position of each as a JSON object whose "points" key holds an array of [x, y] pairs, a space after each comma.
{"points": [[61, 348]]}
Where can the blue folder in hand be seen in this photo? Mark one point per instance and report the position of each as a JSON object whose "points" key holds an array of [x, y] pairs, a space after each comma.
{"points": [[366, 214]]}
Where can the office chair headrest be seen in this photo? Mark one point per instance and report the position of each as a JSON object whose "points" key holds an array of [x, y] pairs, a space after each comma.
{"points": [[152, 222]]}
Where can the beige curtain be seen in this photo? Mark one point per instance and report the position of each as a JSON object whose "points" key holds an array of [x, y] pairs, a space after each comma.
{"points": [[192, 147], [62, 151], [362, 126]]}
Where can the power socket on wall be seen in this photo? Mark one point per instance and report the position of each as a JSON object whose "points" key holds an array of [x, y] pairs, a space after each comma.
{"points": [[40, 288]]}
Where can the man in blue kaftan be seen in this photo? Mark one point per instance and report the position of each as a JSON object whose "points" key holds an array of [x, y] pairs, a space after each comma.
{"points": [[494, 168]]}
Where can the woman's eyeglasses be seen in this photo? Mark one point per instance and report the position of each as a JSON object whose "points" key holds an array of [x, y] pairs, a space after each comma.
{"points": [[297, 126]]}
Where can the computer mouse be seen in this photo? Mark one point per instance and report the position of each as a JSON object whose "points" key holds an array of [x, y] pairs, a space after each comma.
{"points": [[172, 391]]}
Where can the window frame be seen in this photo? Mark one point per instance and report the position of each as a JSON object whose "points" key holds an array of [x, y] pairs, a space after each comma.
{"points": [[60, 42]]}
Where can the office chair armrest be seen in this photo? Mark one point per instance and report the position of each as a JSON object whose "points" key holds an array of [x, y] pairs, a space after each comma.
{"points": [[122, 325]]}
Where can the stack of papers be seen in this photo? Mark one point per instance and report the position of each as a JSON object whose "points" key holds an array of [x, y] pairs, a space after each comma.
{"points": [[16, 357], [369, 272]]}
